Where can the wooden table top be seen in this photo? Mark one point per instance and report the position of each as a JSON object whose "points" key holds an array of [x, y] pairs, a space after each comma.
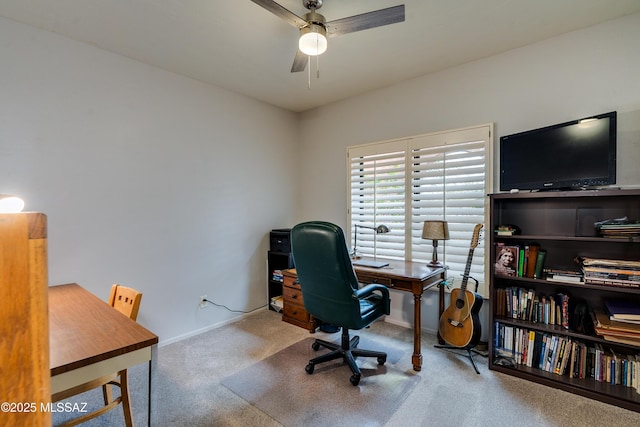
{"points": [[84, 330], [407, 270]]}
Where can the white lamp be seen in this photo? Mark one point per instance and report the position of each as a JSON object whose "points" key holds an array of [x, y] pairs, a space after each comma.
{"points": [[10, 204], [313, 39]]}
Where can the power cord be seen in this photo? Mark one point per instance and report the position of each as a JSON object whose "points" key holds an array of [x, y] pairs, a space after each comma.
{"points": [[231, 310]]}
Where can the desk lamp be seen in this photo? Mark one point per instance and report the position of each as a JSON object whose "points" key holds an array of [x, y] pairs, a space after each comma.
{"points": [[435, 230], [381, 229]]}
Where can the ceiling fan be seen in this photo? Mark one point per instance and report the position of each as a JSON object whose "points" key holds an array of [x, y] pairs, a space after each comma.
{"points": [[314, 29]]}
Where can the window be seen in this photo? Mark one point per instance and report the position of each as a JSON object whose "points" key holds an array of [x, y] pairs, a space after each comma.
{"points": [[402, 183]]}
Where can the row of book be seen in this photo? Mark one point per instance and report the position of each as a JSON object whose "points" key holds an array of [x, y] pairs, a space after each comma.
{"points": [[526, 304], [610, 272], [519, 260], [562, 355]]}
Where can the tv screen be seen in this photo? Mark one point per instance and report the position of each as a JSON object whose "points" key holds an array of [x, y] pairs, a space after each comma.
{"points": [[571, 155]]}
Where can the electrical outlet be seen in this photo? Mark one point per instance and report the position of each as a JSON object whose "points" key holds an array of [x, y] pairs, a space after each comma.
{"points": [[203, 301]]}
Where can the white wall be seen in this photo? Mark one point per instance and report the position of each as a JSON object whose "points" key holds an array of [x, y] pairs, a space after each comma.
{"points": [[148, 179], [595, 70]]}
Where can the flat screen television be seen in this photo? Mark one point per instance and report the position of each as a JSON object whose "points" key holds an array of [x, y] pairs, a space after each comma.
{"points": [[572, 155]]}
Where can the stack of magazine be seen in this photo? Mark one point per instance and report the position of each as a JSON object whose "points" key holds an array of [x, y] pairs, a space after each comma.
{"points": [[618, 228], [620, 323], [611, 272]]}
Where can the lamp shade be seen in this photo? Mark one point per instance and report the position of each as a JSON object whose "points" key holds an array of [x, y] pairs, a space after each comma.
{"points": [[382, 229], [435, 230], [313, 40]]}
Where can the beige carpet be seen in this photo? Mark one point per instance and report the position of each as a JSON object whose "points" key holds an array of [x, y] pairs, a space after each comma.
{"points": [[280, 387]]}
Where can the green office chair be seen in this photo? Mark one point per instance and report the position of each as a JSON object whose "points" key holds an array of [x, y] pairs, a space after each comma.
{"points": [[330, 292]]}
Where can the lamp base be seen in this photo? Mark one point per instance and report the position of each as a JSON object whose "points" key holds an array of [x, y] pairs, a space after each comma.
{"points": [[435, 264]]}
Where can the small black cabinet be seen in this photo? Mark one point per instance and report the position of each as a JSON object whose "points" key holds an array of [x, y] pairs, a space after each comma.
{"points": [[279, 258]]}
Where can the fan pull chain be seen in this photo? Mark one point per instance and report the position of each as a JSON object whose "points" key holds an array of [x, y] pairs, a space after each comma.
{"points": [[309, 72]]}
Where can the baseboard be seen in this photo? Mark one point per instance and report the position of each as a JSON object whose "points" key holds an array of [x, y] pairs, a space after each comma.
{"points": [[208, 328], [407, 325]]}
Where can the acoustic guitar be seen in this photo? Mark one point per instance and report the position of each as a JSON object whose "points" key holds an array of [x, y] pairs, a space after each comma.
{"points": [[460, 324]]}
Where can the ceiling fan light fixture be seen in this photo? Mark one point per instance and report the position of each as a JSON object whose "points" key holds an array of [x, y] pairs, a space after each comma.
{"points": [[313, 39]]}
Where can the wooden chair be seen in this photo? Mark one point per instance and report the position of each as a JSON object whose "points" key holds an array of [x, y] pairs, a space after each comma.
{"points": [[127, 301]]}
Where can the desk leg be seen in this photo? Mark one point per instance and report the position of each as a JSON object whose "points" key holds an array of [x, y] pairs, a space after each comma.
{"points": [[440, 309], [416, 358], [152, 408]]}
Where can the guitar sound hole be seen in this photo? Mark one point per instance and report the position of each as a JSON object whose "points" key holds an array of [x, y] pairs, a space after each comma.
{"points": [[459, 304]]}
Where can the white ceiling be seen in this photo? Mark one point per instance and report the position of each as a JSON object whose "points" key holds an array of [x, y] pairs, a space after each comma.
{"points": [[235, 44]]}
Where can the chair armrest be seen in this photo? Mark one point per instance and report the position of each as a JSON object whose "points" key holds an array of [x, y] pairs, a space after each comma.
{"points": [[367, 290]]}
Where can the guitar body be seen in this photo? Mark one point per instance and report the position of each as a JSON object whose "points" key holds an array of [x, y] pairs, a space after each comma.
{"points": [[460, 322]]}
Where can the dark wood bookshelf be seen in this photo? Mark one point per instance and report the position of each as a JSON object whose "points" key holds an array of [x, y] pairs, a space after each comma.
{"points": [[562, 224]]}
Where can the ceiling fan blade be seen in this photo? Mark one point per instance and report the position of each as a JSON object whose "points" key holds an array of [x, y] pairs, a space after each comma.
{"points": [[299, 62], [281, 12], [364, 21]]}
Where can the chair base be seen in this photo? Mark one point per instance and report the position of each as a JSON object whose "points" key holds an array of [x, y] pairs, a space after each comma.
{"points": [[347, 351]]}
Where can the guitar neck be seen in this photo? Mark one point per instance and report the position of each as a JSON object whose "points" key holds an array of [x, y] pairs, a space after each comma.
{"points": [[467, 269]]}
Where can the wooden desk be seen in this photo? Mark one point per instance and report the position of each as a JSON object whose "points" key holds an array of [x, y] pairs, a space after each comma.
{"points": [[411, 277], [89, 339]]}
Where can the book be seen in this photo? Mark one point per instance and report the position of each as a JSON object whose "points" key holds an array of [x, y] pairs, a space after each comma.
{"points": [[611, 282], [622, 309], [521, 259], [563, 275], [564, 308], [611, 263], [506, 260], [564, 278], [506, 230], [532, 258], [540, 260]]}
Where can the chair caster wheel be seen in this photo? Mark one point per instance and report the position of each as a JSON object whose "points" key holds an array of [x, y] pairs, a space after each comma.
{"points": [[382, 360], [355, 379], [309, 368], [315, 346]]}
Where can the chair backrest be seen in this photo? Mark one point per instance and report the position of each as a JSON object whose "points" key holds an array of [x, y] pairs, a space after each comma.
{"points": [[125, 300], [325, 272]]}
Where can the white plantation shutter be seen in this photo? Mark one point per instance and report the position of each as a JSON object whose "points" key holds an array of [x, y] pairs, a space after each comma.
{"points": [[377, 190], [448, 181], [402, 183]]}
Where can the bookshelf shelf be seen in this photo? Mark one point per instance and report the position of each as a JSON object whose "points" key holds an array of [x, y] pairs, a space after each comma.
{"points": [[624, 397], [558, 330], [599, 240], [525, 281], [561, 223]]}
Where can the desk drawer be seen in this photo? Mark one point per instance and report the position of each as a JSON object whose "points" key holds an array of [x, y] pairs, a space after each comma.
{"points": [[364, 279], [295, 312], [404, 285], [390, 283], [291, 281], [292, 294]]}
